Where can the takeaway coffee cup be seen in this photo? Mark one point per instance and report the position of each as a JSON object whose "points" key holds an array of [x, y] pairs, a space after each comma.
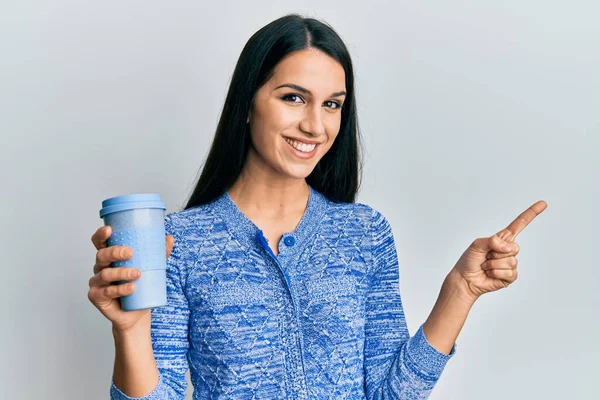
{"points": [[137, 221]]}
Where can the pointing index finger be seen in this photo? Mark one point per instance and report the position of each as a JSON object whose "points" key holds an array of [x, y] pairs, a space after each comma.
{"points": [[515, 227]]}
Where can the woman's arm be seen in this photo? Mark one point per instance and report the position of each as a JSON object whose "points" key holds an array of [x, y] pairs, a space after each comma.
{"points": [[135, 371], [449, 314], [396, 365], [407, 368], [489, 264], [150, 363]]}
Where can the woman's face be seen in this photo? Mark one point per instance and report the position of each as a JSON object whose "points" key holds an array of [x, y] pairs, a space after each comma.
{"points": [[296, 114]]}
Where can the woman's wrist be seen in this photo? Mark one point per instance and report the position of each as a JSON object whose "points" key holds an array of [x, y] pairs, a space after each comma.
{"points": [[140, 329], [457, 285], [133, 334]]}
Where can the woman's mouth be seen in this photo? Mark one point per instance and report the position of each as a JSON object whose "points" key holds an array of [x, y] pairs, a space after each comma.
{"points": [[302, 150]]}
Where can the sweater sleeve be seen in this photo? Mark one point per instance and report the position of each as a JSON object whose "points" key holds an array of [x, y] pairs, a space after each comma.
{"points": [[396, 365], [169, 332]]}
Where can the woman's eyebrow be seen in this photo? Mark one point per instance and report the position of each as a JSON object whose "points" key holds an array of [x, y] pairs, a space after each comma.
{"points": [[306, 91]]}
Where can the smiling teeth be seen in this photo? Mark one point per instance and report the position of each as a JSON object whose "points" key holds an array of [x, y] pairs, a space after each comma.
{"points": [[303, 147]]}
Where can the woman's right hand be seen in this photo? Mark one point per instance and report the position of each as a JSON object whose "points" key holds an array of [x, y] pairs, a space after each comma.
{"points": [[104, 295]]}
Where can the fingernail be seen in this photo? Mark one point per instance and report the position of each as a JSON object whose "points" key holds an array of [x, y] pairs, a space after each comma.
{"points": [[505, 247], [135, 274]]}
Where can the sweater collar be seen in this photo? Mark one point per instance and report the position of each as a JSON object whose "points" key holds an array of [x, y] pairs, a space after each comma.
{"points": [[248, 233]]}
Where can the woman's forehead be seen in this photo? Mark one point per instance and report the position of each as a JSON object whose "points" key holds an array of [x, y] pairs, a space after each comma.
{"points": [[311, 69]]}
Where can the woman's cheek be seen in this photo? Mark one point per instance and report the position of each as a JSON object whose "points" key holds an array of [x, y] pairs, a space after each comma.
{"points": [[332, 134]]}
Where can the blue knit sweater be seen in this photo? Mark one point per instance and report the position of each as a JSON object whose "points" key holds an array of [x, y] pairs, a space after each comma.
{"points": [[322, 320]]}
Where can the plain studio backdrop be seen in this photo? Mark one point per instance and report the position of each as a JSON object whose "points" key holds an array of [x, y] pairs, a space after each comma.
{"points": [[470, 110]]}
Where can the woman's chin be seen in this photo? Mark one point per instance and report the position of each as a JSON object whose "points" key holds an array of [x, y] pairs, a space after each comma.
{"points": [[298, 172]]}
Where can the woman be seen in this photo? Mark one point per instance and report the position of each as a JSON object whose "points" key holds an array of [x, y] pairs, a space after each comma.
{"points": [[279, 285]]}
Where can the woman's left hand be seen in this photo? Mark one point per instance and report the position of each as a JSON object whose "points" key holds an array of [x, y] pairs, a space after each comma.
{"points": [[490, 263]]}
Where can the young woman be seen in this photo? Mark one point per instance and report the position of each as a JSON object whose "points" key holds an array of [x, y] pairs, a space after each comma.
{"points": [[279, 284]]}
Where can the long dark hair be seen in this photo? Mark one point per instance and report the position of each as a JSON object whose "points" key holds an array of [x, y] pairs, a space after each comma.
{"points": [[337, 174]]}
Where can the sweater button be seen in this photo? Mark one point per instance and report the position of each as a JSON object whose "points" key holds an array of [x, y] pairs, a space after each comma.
{"points": [[289, 241]]}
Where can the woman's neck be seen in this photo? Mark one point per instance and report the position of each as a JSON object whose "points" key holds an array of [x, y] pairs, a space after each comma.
{"points": [[263, 192]]}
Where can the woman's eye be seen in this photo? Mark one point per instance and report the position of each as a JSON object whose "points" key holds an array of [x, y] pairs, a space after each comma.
{"points": [[292, 98], [333, 104]]}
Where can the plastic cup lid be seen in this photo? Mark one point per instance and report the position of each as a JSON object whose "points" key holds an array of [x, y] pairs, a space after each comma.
{"points": [[130, 202]]}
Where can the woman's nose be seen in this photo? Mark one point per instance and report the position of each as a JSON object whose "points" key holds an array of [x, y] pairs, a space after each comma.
{"points": [[312, 122]]}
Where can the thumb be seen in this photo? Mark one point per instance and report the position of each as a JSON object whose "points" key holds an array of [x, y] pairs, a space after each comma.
{"points": [[492, 243], [170, 242]]}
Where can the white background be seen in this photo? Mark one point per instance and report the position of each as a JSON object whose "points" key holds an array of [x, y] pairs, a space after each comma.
{"points": [[470, 110]]}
